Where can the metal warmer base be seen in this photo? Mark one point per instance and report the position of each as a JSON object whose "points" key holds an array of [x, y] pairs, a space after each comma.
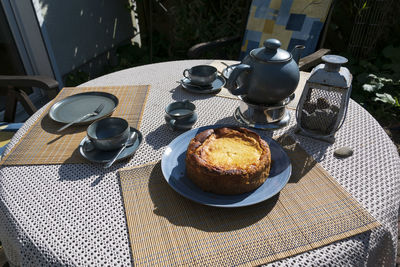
{"points": [[262, 126]]}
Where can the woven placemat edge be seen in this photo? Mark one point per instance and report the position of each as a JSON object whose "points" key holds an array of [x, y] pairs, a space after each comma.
{"points": [[51, 103], [298, 250], [144, 105], [44, 113]]}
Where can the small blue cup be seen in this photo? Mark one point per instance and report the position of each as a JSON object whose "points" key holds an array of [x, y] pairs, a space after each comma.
{"points": [[109, 133], [180, 115], [201, 75]]}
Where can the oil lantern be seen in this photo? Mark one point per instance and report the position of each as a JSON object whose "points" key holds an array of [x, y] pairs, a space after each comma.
{"points": [[323, 104]]}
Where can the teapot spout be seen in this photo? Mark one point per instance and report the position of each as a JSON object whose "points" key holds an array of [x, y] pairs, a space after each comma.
{"points": [[296, 52]]}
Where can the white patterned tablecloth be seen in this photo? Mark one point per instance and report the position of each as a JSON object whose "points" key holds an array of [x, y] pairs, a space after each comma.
{"points": [[72, 214]]}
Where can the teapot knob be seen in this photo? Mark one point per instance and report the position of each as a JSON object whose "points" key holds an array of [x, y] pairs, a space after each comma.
{"points": [[272, 44]]}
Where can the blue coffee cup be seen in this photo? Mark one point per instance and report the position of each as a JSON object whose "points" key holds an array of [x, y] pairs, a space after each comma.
{"points": [[201, 75], [180, 115], [108, 133]]}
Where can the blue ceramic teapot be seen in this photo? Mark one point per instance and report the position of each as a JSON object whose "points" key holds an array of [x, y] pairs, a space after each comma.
{"points": [[268, 75]]}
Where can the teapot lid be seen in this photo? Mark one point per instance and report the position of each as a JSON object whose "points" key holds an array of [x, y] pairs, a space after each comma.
{"points": [[271, 52]]}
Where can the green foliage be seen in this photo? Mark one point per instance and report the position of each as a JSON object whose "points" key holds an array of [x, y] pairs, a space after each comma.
{"points": [[376, 76], [169, 35], [132, 55], [197, 21], [393, 55], [75, 78], [377, 84]]}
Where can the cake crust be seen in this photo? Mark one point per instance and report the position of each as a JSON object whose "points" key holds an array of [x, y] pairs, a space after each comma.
{"points": [[228, 160]]}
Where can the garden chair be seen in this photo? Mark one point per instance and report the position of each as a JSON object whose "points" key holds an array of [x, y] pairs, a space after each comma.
{"points": [[295, 22], [14, 89]]}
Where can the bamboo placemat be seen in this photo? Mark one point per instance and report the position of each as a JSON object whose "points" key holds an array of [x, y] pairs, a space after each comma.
{"points": [[43, 145], [167, 229]]}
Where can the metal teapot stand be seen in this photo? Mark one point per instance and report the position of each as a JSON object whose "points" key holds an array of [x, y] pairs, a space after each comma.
{"points": [[263, 117]]}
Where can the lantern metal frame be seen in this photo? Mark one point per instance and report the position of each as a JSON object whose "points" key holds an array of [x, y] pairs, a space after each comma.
{"points": [[340, 117], [332, 79]]}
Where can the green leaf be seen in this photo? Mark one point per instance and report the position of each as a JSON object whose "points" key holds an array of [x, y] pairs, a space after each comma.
{"points": [[385, 80], [365, 4], [379, 86], [397, 102], [368, 87], [386, 98]]}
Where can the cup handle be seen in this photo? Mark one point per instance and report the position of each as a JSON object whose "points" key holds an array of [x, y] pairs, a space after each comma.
{"points": [[184, 73], [88, 146], [171, 124]]}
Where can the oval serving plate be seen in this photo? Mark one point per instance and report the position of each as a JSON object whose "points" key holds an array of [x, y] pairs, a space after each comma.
{"points": [[173, 167], [75, 106]]}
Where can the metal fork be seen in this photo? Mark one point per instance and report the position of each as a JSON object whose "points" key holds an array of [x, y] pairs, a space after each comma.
{"points": [[94, 113]]}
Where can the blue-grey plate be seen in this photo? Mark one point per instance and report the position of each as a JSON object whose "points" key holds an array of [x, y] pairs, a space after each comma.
{"points": [[215, 87], [100, 156], [174, 170], [75, 106]]}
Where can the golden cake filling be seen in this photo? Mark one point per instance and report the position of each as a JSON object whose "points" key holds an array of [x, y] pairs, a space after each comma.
{"points": [[231, 152], [227, 160]]}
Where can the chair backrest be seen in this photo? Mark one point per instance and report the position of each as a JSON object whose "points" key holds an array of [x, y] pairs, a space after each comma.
{"points": [[293, 22], [13, 88]]}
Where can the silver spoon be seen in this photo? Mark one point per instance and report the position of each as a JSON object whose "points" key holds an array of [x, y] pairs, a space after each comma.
{"points": [[227, 65], [194, 85], [131, 140]]}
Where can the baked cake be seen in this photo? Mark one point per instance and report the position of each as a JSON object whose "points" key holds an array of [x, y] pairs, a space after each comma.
{"points": [[228, 160]]}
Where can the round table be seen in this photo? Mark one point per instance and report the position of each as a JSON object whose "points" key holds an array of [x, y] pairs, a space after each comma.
{"points": [[79, 221]]}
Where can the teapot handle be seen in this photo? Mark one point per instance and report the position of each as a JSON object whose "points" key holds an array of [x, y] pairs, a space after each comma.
{"points": [[231, 84]]}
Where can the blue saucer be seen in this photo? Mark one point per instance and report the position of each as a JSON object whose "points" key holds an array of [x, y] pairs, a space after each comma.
{"points": [[213, 88], [100, 156]]}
